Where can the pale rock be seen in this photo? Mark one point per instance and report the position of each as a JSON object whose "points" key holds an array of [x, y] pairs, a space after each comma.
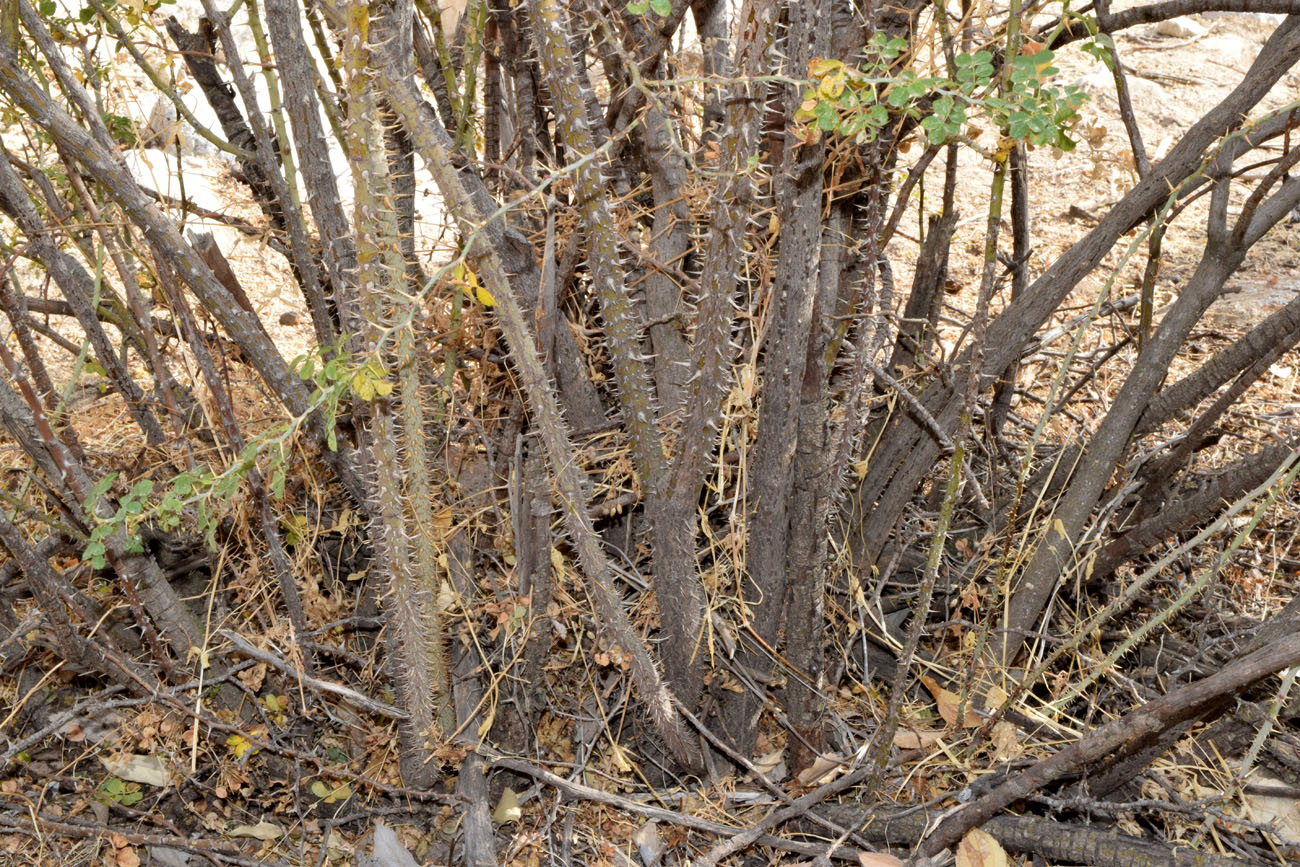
{"points": [[1180, 28]]}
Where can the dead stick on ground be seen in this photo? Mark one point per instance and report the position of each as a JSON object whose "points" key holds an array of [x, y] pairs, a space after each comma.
{"points": [[1151, 718], [586, 793], [351, 696]]}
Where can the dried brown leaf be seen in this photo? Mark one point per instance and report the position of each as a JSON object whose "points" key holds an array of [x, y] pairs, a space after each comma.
{"points": [[979, 849]]}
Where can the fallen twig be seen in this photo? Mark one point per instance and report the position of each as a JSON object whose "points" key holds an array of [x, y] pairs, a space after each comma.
{"points": [[351, 696], [1151, 718]]}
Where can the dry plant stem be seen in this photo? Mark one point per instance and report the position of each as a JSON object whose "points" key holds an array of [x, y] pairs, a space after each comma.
{"points": [[1151, 718], [138, 332], [432, 60], [652, 36], [1153, 13], [1162, 471], [712, 353], [659, 145], [1137, 587], [477, 830], [1189, 509], [244, 328], [1279, 333], [304, 260], [916, 331], [25, 420], [533, 547], [1020, 246], [997, 189], [36, 27], [713, 26], [43, 826], [1096, 845], [78, 288], [15, 308], [393, 25], [798, 187], [297, 72], [883, 739], [1224, 251], [887, 487], [229, 425], [165, 383], [622, 318], [414, 644], [775, 790], [142, 582], [391, 22], [798, 808], [432, 143], [1287, 471], [813, 480], [45, 586]]}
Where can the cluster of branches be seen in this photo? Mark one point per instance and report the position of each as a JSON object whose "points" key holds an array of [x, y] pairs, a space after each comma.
{"points": [[692, 265]]}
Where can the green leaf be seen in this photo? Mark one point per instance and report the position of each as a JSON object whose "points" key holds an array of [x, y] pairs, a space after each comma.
{"points": [[934, 129], [662, 8], [827, 117], [101, 487], [638, 8], [96, 553]]}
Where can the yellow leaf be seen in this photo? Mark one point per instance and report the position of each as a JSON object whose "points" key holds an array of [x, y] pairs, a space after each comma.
{"points": [[383, 387], [831, 86], [363, 385], [507, 809], [821, 66], [979, 849], [1060, 528], [329, 795], [240, 745], [469, 281], [486, 726]]}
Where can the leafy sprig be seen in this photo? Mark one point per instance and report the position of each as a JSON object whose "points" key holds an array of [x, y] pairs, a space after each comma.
{"points": [[857, 102]]}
